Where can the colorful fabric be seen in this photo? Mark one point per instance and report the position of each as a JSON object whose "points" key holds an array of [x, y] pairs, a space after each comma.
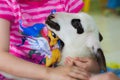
{"points": [[113, 67], [115, 71], [28, 33], [113, 4]]}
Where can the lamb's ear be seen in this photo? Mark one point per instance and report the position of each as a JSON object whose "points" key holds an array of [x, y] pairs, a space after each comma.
{"points": [[76, 23], [101, 59], [52, 24], [100, 37]]}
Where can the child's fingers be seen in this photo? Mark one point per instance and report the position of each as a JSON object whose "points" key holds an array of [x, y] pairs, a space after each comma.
{"points": [[79, 64], [69, 78], [81, 71], [81, 59], [81, 76], [69, 58], [68, 61]]}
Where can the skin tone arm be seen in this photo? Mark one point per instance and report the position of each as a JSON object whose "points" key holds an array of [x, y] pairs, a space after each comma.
{"points": [[106, 76], [11, 64], [22, 68]]}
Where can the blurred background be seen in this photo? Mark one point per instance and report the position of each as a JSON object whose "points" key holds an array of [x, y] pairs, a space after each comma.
{"points": [[107, 16]]}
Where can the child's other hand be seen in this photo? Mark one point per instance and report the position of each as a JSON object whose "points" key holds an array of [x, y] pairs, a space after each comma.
{"points": [[67, 72], [85, 63], [88, 64], [106, 76]]}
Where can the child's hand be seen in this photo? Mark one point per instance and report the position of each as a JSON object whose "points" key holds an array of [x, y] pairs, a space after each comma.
{"points": [[66, 73], [88, 64], [106, 76], [85, 63]]}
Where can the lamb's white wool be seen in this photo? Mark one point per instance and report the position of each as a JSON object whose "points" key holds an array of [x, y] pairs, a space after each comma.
{"points": [[79, 33]]}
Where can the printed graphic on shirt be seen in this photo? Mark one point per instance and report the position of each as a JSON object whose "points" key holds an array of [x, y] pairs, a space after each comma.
{"points": [[44, 50], [39, 45]]}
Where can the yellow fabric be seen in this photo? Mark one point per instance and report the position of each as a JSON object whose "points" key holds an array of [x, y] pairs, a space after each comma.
{"points": [[53, 40], [56, 55], [113, 65], [87, 5]]}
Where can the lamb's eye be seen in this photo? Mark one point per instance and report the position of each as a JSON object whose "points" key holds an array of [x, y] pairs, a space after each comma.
{"points": [[54, 35]]}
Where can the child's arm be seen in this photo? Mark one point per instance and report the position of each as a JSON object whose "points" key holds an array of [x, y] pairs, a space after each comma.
{"points": [[105, 76], [14, 65], [22, 68]]}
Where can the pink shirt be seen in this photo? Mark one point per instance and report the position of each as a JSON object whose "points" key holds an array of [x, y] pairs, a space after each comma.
{"points": [[28, 35]]}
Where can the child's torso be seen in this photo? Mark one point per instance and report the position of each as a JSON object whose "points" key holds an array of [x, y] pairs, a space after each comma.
{"points": [[29, 35]]}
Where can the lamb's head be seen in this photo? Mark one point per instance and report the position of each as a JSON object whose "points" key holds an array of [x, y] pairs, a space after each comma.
{"points": [[78, 29], [71, 23]]}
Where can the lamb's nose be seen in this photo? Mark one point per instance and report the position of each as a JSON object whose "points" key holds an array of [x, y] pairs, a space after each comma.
{"points": [[51, 16]]}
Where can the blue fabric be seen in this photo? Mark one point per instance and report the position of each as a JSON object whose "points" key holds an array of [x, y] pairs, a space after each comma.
{"points": [[116, 71], [113, 4]]}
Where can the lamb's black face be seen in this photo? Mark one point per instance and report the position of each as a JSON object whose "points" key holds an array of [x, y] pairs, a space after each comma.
{"points": [[52, 24], [76, 23]]}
